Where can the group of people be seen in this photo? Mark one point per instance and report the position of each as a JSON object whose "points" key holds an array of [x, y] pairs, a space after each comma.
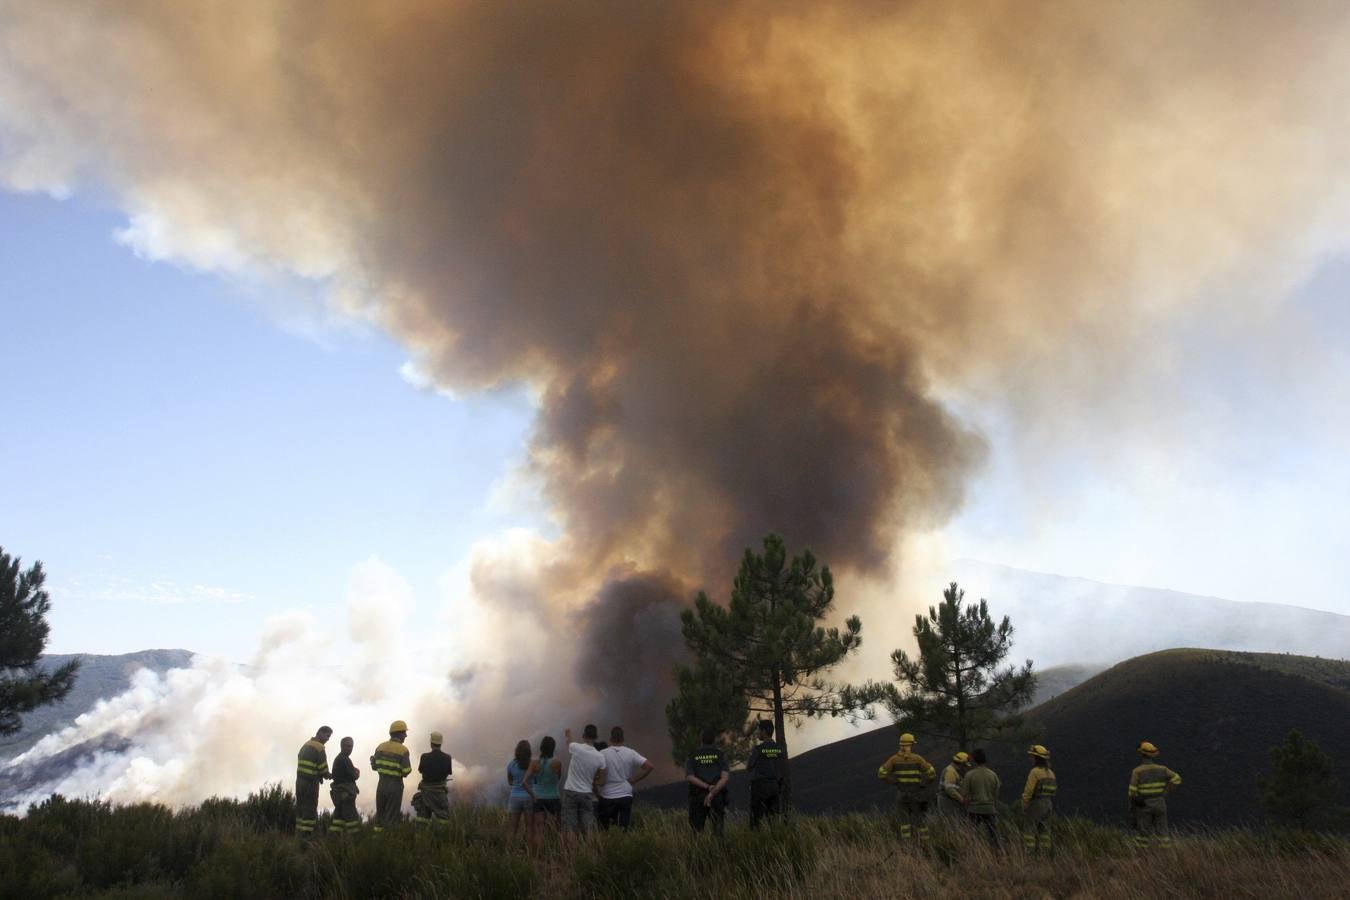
{"points": [[597, 789], [969, 786], [707, 774], [391, 761]]}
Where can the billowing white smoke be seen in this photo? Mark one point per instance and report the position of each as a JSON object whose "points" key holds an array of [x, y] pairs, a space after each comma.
{"points": [[221, 729]]}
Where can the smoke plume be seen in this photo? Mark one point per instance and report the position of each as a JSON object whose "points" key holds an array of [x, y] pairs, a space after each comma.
{"points": [[743, 251]]}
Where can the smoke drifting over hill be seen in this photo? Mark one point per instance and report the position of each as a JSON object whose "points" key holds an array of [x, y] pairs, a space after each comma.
{"points": [[741, 250]]}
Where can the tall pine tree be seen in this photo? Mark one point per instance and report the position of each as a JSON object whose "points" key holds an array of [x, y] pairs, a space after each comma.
{"points": [[23, 635], [954, 688], [765, 652]]}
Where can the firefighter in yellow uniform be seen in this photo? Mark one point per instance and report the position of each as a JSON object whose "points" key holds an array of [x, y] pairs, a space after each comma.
{"points": [[1038, 801], [1150, 783], [911, 774], [311, 768], [949, 785], [393, 764]]}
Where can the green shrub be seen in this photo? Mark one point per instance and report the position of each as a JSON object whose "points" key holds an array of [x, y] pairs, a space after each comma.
{"points": [[477, 872], [251, 865], [628, 864], [271, 808]]}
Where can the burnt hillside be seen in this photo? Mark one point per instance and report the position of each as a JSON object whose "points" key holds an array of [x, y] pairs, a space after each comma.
{"points": [[1214, 714]]}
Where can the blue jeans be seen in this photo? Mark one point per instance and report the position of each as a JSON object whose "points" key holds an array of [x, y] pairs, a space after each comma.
{"points": [[578, 812]]}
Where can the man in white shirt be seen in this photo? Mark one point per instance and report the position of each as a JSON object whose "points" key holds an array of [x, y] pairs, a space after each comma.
{"points": [[585, 775], [625, 767]]}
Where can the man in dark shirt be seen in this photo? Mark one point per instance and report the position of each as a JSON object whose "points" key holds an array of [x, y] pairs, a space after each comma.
{"points": [[432, 800], [706, 772], [344, 791], [766, 774]]}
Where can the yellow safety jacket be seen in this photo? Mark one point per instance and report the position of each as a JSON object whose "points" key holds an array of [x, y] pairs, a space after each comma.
{"points": [[391, 759], [907, 771], [951, 783], [1041, 785], [1150, 781], [312, 761]]}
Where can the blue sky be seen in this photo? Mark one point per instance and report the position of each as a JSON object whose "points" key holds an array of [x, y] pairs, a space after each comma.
{"points": [[190, 461]]}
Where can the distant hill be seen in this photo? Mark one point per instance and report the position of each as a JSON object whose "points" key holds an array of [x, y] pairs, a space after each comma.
{"points": [[1214, 714], [1060, 620], [100, 677]]}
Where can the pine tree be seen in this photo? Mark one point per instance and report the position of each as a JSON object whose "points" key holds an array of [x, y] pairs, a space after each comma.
{"points": [[23, 635], [767, 649], [1302, 789], [954, 689], [707, 700]]}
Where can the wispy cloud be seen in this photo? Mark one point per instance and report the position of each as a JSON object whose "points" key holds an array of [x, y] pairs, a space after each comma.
{"points": [[155, 592]]}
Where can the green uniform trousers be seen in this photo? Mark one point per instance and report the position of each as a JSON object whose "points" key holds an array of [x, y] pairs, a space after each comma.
{"points": [[388, 802], [1150, 820], [1036, 828], [432, 802], [345, 816], [912, 811], [306, 804]]}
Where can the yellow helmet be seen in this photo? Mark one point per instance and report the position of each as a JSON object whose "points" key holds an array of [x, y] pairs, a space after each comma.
{"points": [[906, 738], [397, 725], [962, 757], [1039, 751], [1147, 749]]}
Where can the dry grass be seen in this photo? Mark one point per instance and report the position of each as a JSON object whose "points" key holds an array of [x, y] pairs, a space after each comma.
{"points": [[230, 849], [1090, 861]]}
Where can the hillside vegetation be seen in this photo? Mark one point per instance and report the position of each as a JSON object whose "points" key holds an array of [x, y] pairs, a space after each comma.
{"points": [[231, 849], [1214, 714]]}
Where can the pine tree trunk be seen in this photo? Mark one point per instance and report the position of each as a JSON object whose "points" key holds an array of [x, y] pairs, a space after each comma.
{"points": [[782, 739]]}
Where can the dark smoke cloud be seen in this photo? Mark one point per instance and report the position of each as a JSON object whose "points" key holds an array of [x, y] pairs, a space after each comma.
{"points": [[629, 642], [594, 201]]}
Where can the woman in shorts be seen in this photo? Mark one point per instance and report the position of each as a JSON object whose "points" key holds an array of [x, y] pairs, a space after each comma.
{"points": [[542, 780], [519, 801]]}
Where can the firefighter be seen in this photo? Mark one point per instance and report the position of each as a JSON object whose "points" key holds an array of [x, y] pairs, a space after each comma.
{"points": [[393, 764], [949, 785], [1150, 783], [1038, 800], [311, 768], [344, 791], [432, 800], [911, 774]]}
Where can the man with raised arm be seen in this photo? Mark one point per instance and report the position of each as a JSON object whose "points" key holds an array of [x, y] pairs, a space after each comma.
{"points": [[585, 774]]}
